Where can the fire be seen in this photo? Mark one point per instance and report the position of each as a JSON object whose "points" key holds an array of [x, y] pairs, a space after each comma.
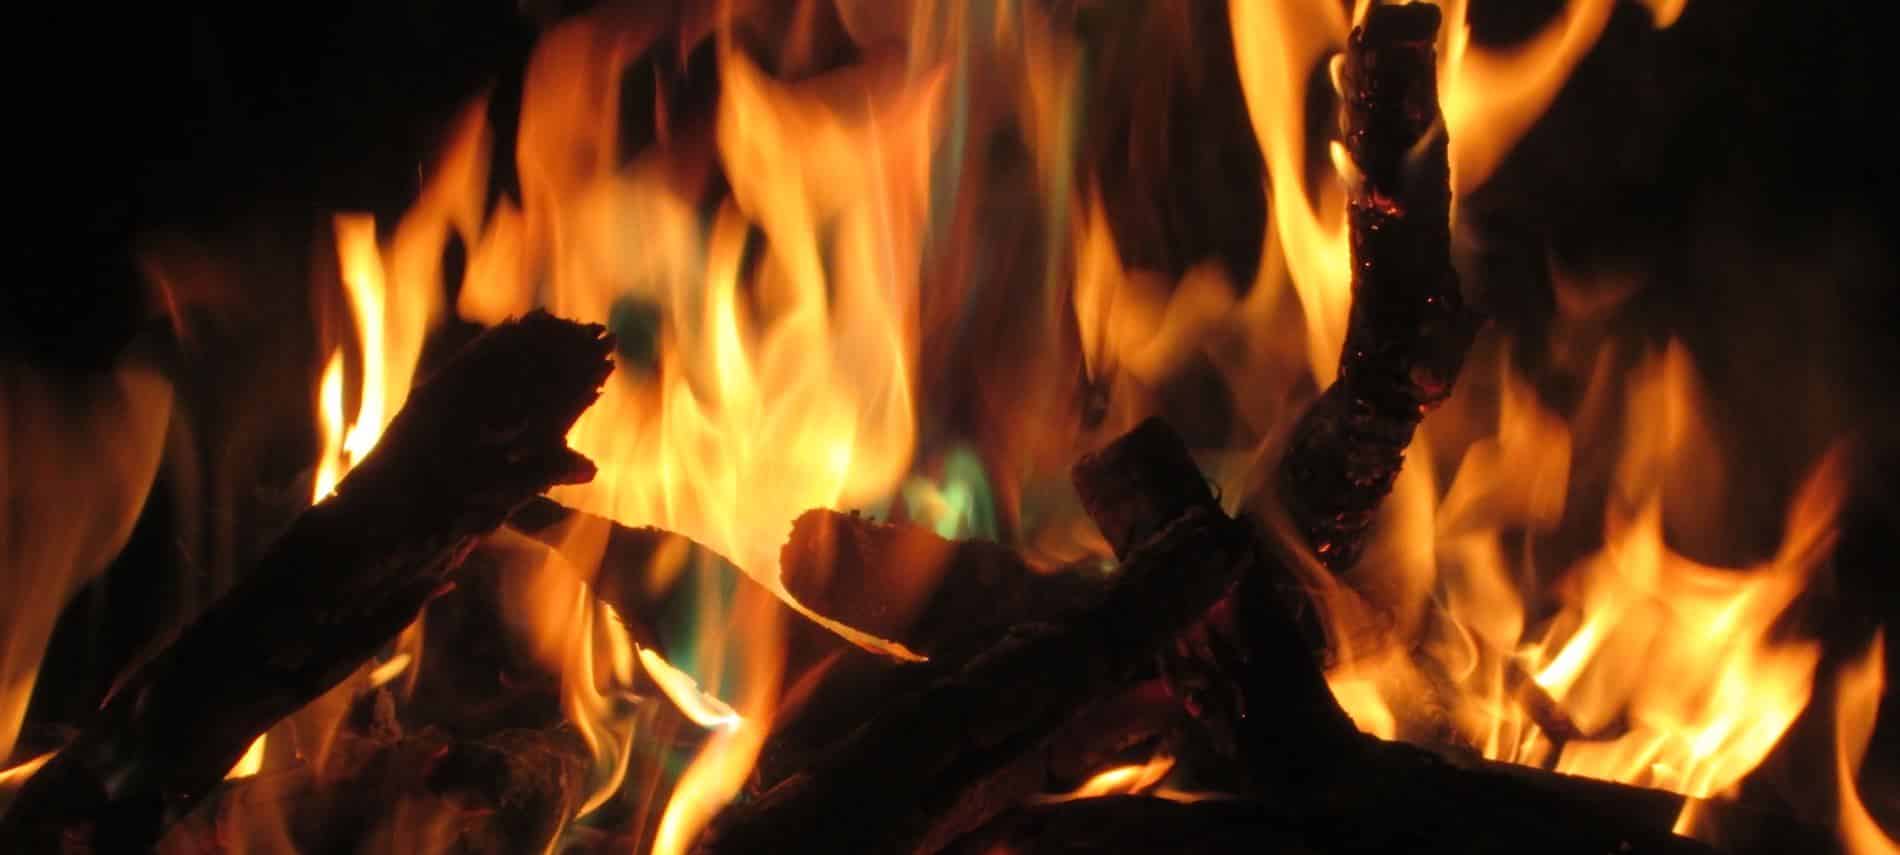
{"points": [[765, 268], [1669, 671], [1856, 704], [77, 461], [1123, 780]]}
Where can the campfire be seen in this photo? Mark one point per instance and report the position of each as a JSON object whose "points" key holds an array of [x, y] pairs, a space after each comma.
{"points": [[1028, 426]]}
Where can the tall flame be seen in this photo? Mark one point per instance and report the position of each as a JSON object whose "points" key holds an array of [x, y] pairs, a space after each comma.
{"points": [[77, 460], [1856, 706]]}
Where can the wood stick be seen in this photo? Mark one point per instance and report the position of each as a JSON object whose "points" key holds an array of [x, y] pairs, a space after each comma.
{"points": [[470, 445], [931, 765], [1409, 328]]}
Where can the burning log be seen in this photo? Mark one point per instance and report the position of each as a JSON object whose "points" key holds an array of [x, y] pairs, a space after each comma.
{"points": [[941, 761], [471, 445], [1409, 327], [1246, 672], [847, 567], [967, 594], [1158, 825], [959, 593], [510, 791], [1138, 824]]}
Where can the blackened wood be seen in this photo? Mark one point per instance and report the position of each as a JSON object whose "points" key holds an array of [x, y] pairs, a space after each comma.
{"points": [[471, 444], [1409, 328], [1114, 824], [507, 792], [933, 764], [1247, 673], [931, 594], [1244, 670], [962, 597]]}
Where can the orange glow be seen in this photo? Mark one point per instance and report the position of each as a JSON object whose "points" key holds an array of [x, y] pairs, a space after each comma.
{"points": [[1277, 46], [1856, 707], [22, 771], [251, 762], [1669, 667], [1123, 780], [77, 461]]}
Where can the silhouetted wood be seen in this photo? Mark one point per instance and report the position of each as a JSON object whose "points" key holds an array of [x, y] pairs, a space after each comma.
{"points": [[508, 792], [1246, 673], [928, 766], [1409, 328], [472, 444], [1114, 824]]}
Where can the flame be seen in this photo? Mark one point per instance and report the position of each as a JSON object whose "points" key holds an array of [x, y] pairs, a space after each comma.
{"points": [[1123, 780], [1856, 708], [1670, 672], [251, 762], [77, 460], [704, 709]]}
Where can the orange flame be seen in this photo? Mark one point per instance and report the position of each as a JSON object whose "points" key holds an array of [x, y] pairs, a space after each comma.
{"points": [[1123, 780], [77, 460], [1856, 707]]}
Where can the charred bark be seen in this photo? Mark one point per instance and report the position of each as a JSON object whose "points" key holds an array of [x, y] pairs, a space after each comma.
{"points": [[473, 443], [938, 762], [1149, 824], [1409, 328], [1246, 673]]}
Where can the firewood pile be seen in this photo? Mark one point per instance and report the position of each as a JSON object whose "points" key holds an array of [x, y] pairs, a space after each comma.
{"points": [[1201, 635]]}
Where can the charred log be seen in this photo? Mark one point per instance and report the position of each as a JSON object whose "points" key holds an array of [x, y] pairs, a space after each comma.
{"points": [[1409, 328], [1246, 672], [510, 791], [1149, 824], [472, 444], [941, 761]]}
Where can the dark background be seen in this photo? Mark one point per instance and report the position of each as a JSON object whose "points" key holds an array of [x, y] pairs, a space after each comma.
{"points": [[1737, 159]]}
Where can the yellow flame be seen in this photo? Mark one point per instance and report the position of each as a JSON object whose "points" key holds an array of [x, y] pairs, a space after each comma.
{"points": [[330, 429], [704, 709], [251, 762], [1669, 668], [389, 670], [19, 772], [1123, 780], [77, 461], [1856, 707], [1276, 48]]}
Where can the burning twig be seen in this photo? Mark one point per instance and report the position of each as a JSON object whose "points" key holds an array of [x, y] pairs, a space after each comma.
{"points": [[473, 443], [1409, 329]]}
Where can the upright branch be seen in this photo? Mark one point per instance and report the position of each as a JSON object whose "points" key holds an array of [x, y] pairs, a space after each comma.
{"points": [[472, 444], [1409, 328]]}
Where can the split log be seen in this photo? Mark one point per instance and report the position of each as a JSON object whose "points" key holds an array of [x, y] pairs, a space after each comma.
{"points": [[472, 444], [941, 761], [1247, 673], [962, 597], [900, 582], [1409, 328]]}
